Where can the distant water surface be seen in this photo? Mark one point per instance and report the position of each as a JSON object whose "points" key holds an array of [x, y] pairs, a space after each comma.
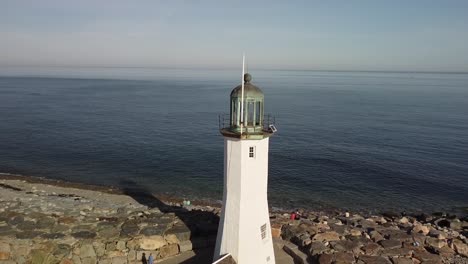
{"points": [[355, 140]]}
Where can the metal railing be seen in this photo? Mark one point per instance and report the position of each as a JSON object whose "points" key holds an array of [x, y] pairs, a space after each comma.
{"points": [[224, 122]]}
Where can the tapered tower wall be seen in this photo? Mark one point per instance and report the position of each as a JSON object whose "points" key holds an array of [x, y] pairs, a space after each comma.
{"points": [[244, 229]]}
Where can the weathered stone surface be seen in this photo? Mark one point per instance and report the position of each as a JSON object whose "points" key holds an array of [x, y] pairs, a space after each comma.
{"points": [[343, 258], [108, 231], [153, 231], [460, 247], [119, 260], [99, 248], [26, 225], [376, 236], [15, 219], [38, 256], [28, 234], [340, 229], [421, 229], [67, 220], [87, 250], [185, 246], [317, 248], [295, 253], [5, 250], [129, 229], [152, 243], [169, 250], [372, 249], [325, 259], [121, 245], [302, 240], [6, 231], [89, 260], [84, 234], [182, 232], [61, 250], [402, 260], [171, 239], [445, 252], [390, 243], [426, 256], [52, 235], [110, 246], [327, 236], [435, 243], [374, 259], [45, 222], [397, 252], [276, 230], [346, 246], [355, 232]]}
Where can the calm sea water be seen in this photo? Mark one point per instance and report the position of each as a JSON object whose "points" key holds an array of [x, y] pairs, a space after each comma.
{"points": [[355, 140]]}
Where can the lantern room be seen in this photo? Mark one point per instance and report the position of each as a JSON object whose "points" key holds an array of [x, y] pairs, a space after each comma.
{"points": [[253, 108]]}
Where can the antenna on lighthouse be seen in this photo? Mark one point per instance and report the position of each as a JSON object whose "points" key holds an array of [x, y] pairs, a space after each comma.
{"points": [[242, 94]]}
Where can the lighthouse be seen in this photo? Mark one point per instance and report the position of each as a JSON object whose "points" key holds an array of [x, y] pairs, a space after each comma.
{"points": [[244, 229]]}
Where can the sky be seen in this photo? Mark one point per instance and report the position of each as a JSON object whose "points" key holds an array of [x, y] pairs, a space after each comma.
{"points": [[415, 35]]}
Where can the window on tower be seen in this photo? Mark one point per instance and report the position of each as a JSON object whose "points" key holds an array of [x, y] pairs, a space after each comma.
{"points": [[251, 152]]}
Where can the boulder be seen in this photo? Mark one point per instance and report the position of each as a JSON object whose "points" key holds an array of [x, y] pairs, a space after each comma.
{"points": [[376, 236], [390, 243], [185, 246], [317, 248], [172, 239], [121, 245], [460, 247], [4, 251], [325, 259], [372, 249], [276, 230], [343, 258], [152, 242], [424, 256], [327, 236], [435, 243], [118, 260], [421, 229], [169, 250], [181, 231], [87, 250], [374, 259], [401, 260]]}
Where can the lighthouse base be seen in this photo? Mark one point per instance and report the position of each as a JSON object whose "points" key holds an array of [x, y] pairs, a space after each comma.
{"points": [[244, 229]]}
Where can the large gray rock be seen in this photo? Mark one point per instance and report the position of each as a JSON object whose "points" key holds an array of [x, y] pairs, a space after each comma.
{"points": [[152, 242], [327, 236], [390, 244], [87, 250], [374, 259], [317, 248], [153, 231], [84, 235], [181, 231]]}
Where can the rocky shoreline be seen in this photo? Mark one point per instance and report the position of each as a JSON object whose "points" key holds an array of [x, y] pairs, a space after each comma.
{"points": [[46, 221]]}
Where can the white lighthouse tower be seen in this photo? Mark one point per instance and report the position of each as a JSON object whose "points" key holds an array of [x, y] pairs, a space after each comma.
{"points": [[244, 228]]}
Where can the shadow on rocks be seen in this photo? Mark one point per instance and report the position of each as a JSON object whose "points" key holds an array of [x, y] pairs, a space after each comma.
{"points": [[203, 225]]}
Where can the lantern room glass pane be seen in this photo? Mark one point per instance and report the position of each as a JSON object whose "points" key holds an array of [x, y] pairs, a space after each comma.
{"points": [[250, 113], [258, 113]]}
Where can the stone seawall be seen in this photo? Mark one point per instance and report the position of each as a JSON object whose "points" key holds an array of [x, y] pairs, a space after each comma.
{"points": [[41, 223]]}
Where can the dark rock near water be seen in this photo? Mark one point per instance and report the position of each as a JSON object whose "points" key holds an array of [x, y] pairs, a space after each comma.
{"points": [[84, 234]]}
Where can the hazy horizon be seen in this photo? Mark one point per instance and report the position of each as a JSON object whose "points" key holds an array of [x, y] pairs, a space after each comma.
{"points": [[397, 36]]}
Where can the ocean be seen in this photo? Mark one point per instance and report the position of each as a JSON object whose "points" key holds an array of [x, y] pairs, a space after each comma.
{"points": [[350, 140]]}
